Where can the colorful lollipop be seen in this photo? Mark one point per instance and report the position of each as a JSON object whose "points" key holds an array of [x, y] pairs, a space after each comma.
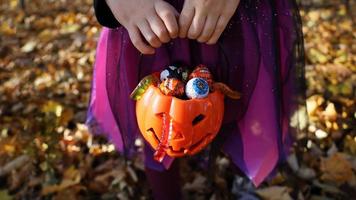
{"points": [[197, 88], [172, 87]]}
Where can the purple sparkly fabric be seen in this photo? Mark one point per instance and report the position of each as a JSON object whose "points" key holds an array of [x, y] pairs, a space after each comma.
{"points": [[259, 54]]}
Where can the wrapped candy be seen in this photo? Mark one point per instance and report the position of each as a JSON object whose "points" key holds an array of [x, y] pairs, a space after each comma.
{"points": [[184, 72], [180, 73], [197, 88], [170, 72], [201, 71], [172, 87]]}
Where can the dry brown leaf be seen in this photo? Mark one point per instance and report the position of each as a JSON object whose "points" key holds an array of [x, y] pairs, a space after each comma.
{"points": [[350, 144], [56, 188], [336, 169], [29, 46], [275, 193], [313, 103], [71, 177], [14, 164], [71, 193], [19, 177], [198, 184], [330, 113]]}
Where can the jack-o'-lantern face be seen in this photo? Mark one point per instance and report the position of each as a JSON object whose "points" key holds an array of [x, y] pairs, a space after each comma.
{"points": [[195, 122]]}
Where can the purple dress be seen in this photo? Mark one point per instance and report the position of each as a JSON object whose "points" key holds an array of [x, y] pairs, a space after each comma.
{"points": [[259, 54]]}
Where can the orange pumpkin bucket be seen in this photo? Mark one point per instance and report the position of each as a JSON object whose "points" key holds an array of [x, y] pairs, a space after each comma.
{"points": [[192, 124], [180, 113]]}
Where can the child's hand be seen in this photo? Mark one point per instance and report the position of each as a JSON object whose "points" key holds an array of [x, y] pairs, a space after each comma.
{"points": [[155, 20], [205, 20]]}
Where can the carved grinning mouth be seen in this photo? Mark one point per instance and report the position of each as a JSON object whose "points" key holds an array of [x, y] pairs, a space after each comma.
{"points": [[190, 149], [193, 147]]}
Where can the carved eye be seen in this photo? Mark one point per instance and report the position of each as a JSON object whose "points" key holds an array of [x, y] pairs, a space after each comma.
{"points": [[198, 119]]}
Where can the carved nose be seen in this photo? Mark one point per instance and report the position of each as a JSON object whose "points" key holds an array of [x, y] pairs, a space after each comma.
{"points": [[178, 136]]}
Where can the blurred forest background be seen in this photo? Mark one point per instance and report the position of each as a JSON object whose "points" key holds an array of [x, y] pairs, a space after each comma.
{"points": [[47, 49]]}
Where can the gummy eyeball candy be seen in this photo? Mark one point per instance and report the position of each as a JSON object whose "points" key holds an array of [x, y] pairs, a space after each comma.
{"points": [[172, 87], [197, 88], [201, 71]]}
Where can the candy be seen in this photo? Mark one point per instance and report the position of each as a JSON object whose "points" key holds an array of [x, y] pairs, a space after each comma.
{"points": [[184, 74], [197, 88], [180, 73], [142, 86], [172, 87], [226, 90], [170, 72], [201, 71]]}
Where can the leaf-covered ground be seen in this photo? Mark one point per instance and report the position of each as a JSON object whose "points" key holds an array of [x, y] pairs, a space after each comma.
{"points": [[46, 152]]}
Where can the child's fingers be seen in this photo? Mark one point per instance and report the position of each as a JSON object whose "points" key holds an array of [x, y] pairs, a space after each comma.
{"points": [[159, 28], [208, 29], [185, 20], [197, 25], [148, 34], [220, 26], [137, 41], [170, 21], [223, 20], [172, 26], [169, 17]]}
